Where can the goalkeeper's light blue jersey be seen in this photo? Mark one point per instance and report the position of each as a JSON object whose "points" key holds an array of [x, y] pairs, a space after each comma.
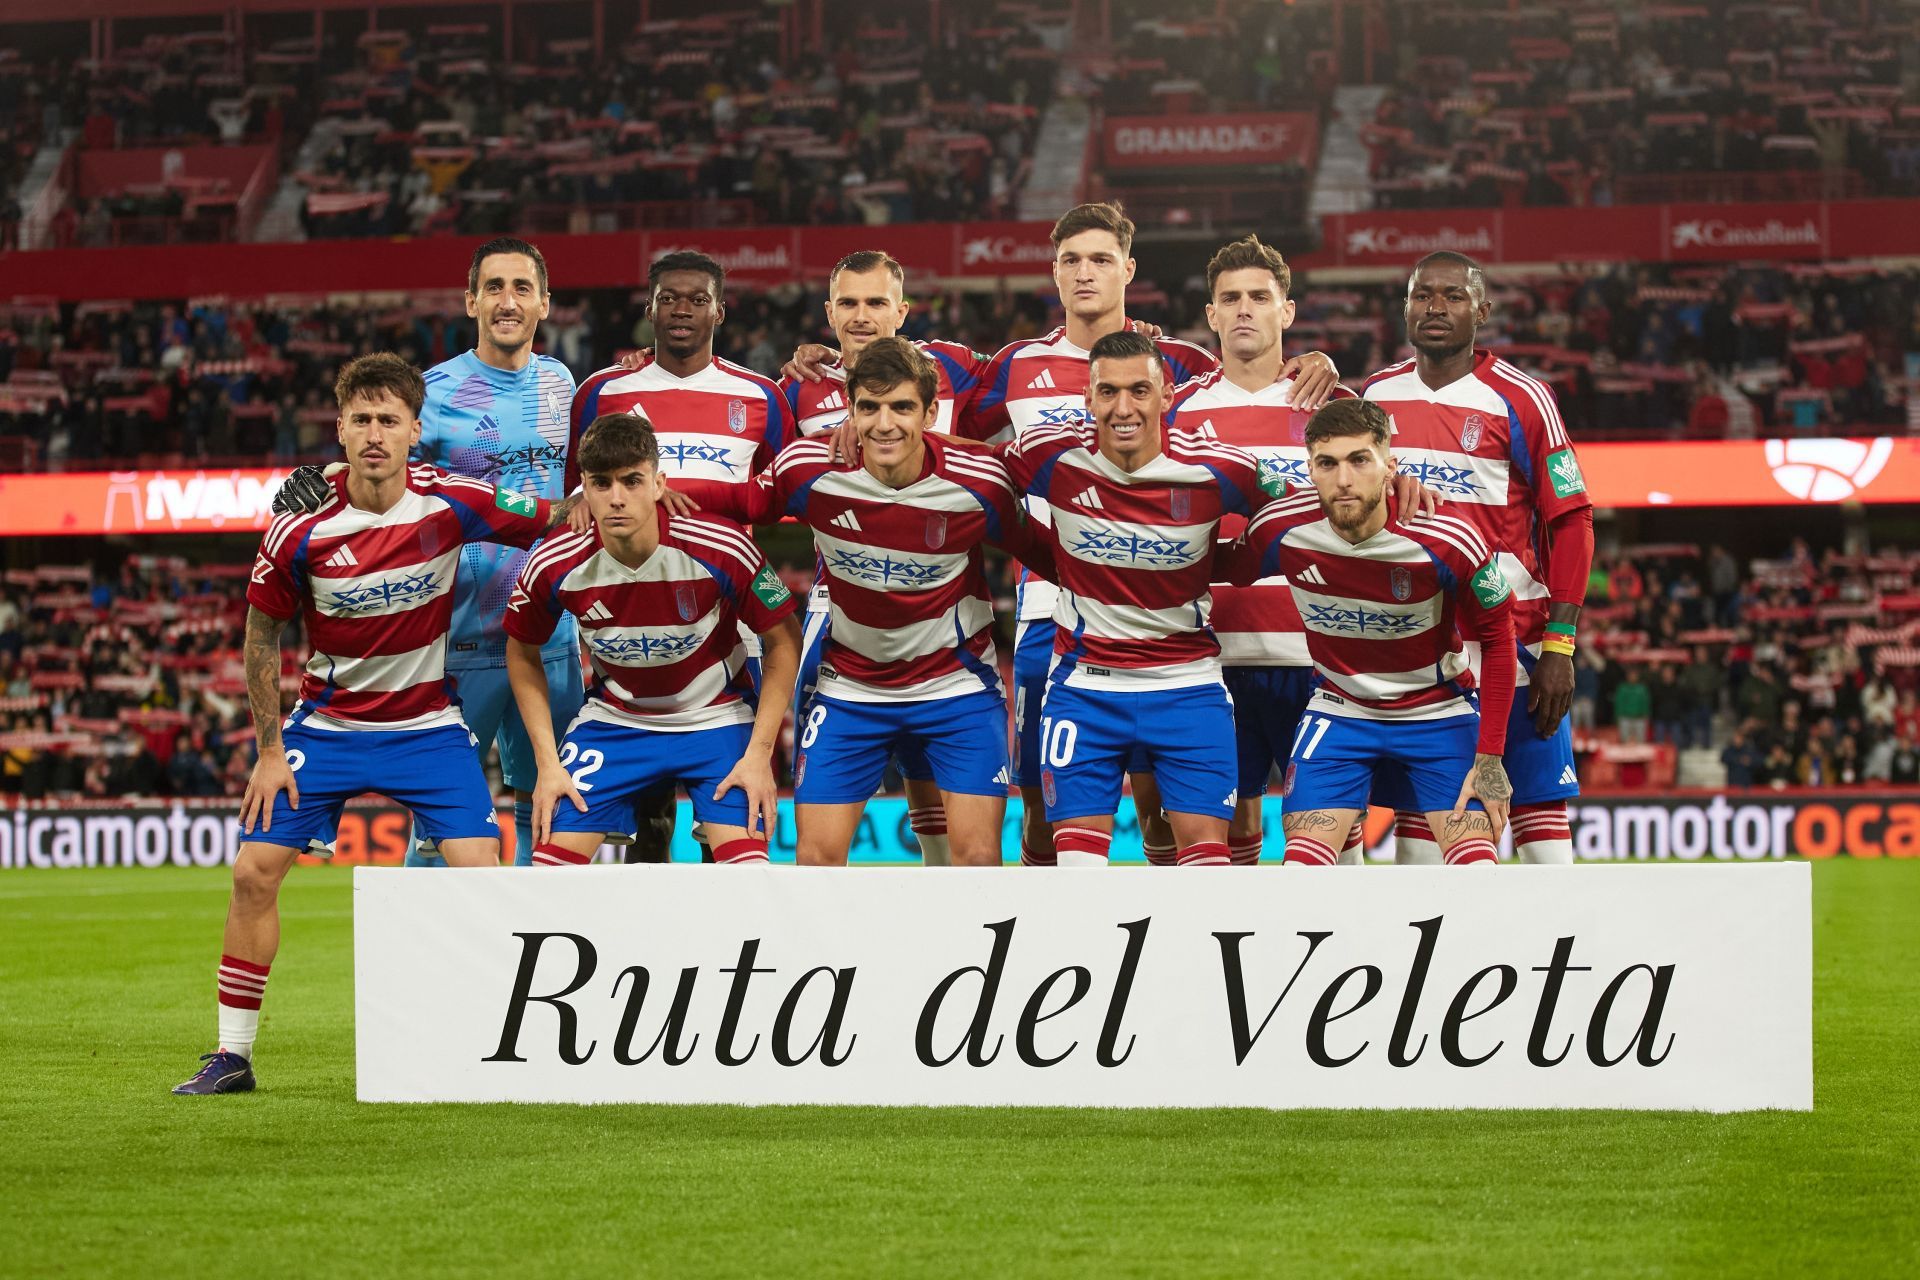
{"points": [[511, 429]]}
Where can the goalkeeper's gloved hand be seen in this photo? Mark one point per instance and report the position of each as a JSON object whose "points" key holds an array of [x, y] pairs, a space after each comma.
{"points": [[307, 489]]}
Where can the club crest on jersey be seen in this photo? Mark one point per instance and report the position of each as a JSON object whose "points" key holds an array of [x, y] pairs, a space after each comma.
{"points": [[1471, 430], [683, 601], [1182, 504], [936, 530], [1048, 791], [1402, 582], [1286, 782], [1297, 426], [800, 769], [737, 416]]}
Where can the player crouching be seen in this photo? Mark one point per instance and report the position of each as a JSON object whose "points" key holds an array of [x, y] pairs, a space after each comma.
{"points": [[658, 598], [1378, 593]]}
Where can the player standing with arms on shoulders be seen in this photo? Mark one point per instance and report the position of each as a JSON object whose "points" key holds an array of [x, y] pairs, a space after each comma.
{"points": [[1043, 382], [1379, 594], [716, 425], [497, 413], [661, 601], [372, 573], [1490, 439], [1249, 403]]}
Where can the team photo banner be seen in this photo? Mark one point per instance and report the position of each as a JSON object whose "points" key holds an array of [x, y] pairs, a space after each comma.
{"points": [[1421, 987]]}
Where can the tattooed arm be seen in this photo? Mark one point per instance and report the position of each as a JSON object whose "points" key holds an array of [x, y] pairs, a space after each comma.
{"points": [[271, 772], [1487, 783]]}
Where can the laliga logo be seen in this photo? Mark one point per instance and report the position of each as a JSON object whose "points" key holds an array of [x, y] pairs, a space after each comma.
{"points": [[1827, 470], [1716, 232], [1392, 240], [1002, 250]]}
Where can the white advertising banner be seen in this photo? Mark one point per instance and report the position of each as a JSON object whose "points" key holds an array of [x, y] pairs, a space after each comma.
{"points": [[1670, 987]]}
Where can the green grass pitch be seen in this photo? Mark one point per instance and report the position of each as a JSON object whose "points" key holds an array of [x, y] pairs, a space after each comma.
{"points": [[106, 984]]}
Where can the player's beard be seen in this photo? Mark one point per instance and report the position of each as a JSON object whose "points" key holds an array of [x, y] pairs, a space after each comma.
{"points": [[1360, 517]]}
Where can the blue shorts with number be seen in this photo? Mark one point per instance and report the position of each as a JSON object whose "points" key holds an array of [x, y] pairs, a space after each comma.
{"points": [[613, 764], [1540, 769], [1267, 705], [1032, 664], [1091, 736], [843, 746], [488, 707], [1334, 761], [433, 772], [813, 647]]}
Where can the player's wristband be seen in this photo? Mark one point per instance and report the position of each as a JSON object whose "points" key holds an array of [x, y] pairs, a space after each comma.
{"points": [[1555, 644], [1566, 629]]}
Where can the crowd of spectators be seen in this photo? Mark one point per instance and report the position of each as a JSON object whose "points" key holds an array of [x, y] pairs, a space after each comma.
{"points": [[1800, 671], [1614, 104]]}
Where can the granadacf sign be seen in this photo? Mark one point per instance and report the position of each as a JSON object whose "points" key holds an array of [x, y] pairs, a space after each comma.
{"points": [[1211, 141]]}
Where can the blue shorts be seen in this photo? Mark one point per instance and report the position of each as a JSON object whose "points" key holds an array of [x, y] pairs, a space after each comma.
{"points": [[1032, 662], [1092, 736], [487, 705], [433, 772], [614, 764], [1267, 705], [813, 647], [841, 755], [1540, 769], [1334, 759]]}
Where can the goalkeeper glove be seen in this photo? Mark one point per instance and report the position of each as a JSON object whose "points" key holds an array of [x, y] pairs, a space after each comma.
{"points": [[307, 489]]}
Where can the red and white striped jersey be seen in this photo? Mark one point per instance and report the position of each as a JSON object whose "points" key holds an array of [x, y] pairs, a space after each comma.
{"points": [[1380, 616], [1042, 382], [376, 593], [1258, 626], [912, 616], [1493, 445], [718, 427], [1133, 553], [819, 407], [664, 638]]}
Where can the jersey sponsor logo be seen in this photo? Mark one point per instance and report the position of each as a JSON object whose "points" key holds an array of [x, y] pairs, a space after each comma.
{"points": [[936, 530], [643, 648], [767, 585], [737, 416], [1361, 620], [1119, 546], [517, 504], [684, 602], [527, 457], [1564, 470], [1401, 580], [384, 593], [1490, 585], [681, 452], [1181, 505], [1069, 415], [1446, 478], [883, 569], [1471, 430]]}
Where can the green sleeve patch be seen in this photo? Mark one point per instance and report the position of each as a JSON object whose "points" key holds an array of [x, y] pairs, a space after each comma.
{"points": [[518, 504], [1273, 482], [1564, 470], [771, 591], [1490, 585]]}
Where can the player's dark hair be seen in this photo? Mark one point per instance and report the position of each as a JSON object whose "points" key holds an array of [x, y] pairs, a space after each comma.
{"points": [[885, 363], [1349, 418], [1476, 275], [1250, 255], [379, 372], [1125, 345], [866, 260], [616, 441], [686, 260], [505, 244], [1104, 216]]}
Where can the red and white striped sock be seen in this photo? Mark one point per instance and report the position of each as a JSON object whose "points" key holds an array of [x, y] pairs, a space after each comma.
{"points": [[1541, 833], [1305, 851], [1355, 853], [1471, 850], [1081, 846], [240, 985], [1032, 857], [1414, 843], [553, 855], [735, 853], [930, 829], [1162, 855], [1245, 851], [1207, 853]]}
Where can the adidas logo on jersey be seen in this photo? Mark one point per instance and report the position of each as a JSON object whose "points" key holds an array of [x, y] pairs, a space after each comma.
{"points": [[848, 521], [1311, 574], [341, 559], [1044, 382], [1090, 499], [1001, 778], [597, 612], [1568, 778], [833, 401]]}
